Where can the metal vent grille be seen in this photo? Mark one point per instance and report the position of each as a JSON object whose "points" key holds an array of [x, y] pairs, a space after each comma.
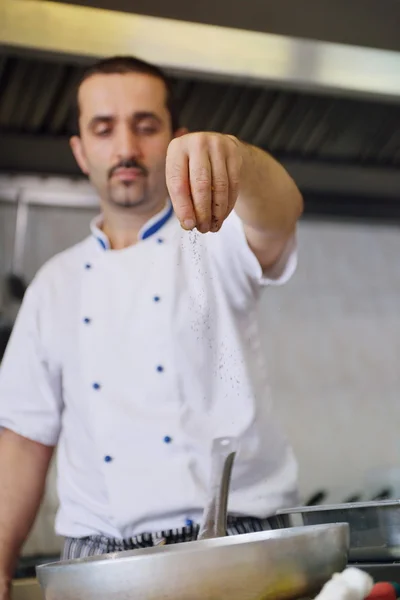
{"points": [[36, 98]]}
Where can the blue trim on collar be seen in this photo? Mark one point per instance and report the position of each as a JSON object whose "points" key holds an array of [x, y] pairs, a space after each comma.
{"points": [[103, 243], [158, 224], [149, 229]]}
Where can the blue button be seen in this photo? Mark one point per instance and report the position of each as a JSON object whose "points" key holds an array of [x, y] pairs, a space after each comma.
{"points": [[96, 386], [156, 298], [189, 523], [86, 320], [160, 241], [167, 439], [107, 458], [160, 368], [88, 266]]}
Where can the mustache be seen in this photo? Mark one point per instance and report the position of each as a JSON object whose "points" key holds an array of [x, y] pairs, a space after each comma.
{"points": [[130, 163]]}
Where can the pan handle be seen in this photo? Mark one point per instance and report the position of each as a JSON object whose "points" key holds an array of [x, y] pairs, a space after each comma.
{"points": [[214, 518]]}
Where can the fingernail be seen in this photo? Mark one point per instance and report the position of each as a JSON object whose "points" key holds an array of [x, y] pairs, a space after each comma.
{"points": [[188, 224], [214, 224]]}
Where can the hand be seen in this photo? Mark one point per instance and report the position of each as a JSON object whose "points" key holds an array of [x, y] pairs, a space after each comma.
{"points": [[203, 175]]}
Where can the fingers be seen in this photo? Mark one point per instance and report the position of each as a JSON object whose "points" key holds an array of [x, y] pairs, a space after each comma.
{"points": [[220, 189], [233, 166], [202, 174], [200, 186], [178, 184]]}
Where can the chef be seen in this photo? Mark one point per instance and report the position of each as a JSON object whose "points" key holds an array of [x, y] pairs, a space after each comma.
{"points": [[136, 347]]}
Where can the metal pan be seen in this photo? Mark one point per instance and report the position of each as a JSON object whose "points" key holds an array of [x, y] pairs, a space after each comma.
{"points": [[374, 526], [279, 565]]}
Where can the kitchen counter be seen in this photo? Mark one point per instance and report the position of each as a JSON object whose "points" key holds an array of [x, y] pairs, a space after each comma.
{"points": [[26, 589]]}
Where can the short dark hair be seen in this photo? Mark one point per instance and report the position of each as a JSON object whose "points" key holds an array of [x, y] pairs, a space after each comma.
{"points": [[130, 64]]}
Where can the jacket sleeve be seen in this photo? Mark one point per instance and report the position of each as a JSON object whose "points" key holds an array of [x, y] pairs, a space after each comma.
{"points": [[30, 387]]}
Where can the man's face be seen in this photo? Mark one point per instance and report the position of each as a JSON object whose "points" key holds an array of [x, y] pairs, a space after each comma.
{"points": [[125, 130]]}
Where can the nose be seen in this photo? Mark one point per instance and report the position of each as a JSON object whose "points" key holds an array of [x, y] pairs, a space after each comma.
{"points": [[126, 143]]}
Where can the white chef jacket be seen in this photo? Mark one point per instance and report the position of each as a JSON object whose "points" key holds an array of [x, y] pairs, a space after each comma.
{"points": [[132, 361]]}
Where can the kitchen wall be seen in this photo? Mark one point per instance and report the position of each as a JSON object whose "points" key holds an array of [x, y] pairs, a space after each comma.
{"points": [[332, 337], [333, 343]]}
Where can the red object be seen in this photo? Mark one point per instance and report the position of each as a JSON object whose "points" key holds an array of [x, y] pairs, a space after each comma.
{"points": [[382, 591]]}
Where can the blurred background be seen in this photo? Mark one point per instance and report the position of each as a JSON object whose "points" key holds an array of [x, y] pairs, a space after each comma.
{"points": [[317, 83]]}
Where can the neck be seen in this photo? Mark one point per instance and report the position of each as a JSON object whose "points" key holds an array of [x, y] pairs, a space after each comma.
{"points": [[122, 228]]}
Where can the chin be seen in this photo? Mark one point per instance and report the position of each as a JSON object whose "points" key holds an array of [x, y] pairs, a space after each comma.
{"points": [[127, 200]]}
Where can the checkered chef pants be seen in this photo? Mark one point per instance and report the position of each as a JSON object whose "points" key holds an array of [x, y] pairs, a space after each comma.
{"points": [[98, 544]]}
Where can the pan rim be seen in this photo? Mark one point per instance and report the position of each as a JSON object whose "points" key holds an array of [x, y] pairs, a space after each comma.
{"points": [[194, 546], [339, 507]]}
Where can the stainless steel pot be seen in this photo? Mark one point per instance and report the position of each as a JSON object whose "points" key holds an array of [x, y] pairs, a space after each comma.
{"points": [[279, 565], [374, 526]]}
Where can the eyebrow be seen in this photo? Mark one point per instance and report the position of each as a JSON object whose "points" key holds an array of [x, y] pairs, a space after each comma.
{"points": [[100, 119], [146, 115], [138, 116]]}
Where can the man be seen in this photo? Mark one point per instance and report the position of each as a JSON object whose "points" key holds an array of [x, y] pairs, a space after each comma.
{"points": [[138, 346]]}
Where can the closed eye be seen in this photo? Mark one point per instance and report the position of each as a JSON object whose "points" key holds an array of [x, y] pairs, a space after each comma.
{"points": [[103, 132], [101, 125], [147, 128]]}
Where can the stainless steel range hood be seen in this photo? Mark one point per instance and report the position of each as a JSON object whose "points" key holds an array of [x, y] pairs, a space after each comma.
{"points": [[198, 49]]}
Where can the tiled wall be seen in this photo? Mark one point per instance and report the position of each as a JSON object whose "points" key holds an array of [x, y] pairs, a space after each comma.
{"points": [[333, 340]]}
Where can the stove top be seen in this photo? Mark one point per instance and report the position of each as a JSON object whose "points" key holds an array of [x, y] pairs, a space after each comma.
{"points": [[381, 571]]}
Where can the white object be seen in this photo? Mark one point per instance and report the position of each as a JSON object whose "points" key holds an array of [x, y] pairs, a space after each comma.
{"points": [[134, 360], [351, 584]]}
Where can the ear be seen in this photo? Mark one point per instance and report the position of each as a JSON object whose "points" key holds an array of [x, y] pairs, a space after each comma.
{"points": [[77, 150], [181, 131]]}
